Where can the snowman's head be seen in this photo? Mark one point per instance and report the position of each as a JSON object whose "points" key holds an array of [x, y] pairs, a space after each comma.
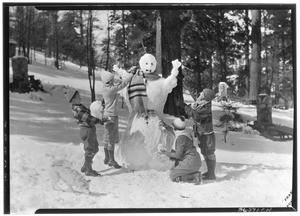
{"points": [[148, 63]]}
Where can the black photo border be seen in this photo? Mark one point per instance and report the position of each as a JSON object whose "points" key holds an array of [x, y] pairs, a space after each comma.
{"points": [[149, 6]]}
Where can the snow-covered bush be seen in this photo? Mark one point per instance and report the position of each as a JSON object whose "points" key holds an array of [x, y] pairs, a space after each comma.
{"points": [[35, 96], [249, 130], [230, 119]]}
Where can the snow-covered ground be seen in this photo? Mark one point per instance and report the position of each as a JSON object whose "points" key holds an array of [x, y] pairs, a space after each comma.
{"points": [[252, 171]]}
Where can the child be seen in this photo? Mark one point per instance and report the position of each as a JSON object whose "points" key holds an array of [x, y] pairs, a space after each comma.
{"points": [[187, 159], [201, 113], [87, 130], [110, 95]]}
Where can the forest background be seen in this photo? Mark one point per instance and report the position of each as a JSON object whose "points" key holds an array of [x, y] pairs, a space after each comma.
{"points": [[249, 47]]}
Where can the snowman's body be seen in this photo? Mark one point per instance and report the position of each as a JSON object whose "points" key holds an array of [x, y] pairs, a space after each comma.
{"points": [[143, 136]]}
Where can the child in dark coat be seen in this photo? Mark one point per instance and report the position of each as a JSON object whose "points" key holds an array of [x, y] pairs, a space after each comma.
{"points": [[87, 130], [201, 113]]}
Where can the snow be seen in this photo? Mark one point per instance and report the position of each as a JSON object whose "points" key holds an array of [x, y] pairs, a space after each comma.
{"points": [[252, 171], [139, 146]]}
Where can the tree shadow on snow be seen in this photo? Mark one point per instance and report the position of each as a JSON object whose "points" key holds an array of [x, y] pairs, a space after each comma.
{"points": [[119, 171], [230, 171], [97, 194], [108, 169], [83, 193]]}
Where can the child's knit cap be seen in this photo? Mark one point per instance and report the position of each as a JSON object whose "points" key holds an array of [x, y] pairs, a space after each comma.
{"points": [[179, 123], [208, 94], [106, 76]]}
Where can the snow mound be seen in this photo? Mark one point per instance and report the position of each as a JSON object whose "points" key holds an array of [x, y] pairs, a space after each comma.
{"points": [[52, 93], [250, 130], [140, 145]]}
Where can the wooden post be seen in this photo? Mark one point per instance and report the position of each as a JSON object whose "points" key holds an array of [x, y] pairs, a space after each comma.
{"points": [[264, 111], [20, 68], [20, 72]]}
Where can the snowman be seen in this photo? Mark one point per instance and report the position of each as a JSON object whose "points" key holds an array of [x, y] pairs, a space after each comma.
{"points": [[147, 89], [145, 98]]}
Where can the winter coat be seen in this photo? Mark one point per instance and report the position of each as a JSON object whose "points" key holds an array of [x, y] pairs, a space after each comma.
{"points": [[202, 117], [183, 146], [187, 159], [110, 96], [83, 116]]}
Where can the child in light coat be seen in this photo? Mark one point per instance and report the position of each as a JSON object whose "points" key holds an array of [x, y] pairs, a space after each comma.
{"points": [[110, 96], [187, 159]]}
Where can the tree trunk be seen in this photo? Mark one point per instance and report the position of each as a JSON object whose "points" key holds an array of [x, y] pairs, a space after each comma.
{"points": [[275, 71], [283, 42], [56, 40], [90, 56], [33, 34], [266, 85], [108, 42], [211, 72], [20, 20], [255, 64], [23, 23], [81, 37], [28, 35], [45, 38], [199, 83], [88, 46], [124, 39], [224, 53], [247, 54], [158, 44], [221, 49], [171, 51], [91, 65]]}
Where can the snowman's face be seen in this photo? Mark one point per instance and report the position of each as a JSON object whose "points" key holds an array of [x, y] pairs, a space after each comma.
{"points": [[148, 63]]}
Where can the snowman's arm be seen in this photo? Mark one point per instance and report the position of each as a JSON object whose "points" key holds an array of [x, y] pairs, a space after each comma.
{"points": [[176, 64], [170, 83]]}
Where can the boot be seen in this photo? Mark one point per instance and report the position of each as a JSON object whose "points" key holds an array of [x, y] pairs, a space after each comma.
{"points": [[106, 159], [197, 178], [87, 167], [204, 175], [112, 161], [211, 166], [83, 168], [187, 178], [86, 163], [177, 179], [190, 178]]}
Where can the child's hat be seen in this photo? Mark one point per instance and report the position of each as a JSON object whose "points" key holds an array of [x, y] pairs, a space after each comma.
{"points": [[179, 123], [96, 109], [208, 94], [106, 76], [70, 94]]}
